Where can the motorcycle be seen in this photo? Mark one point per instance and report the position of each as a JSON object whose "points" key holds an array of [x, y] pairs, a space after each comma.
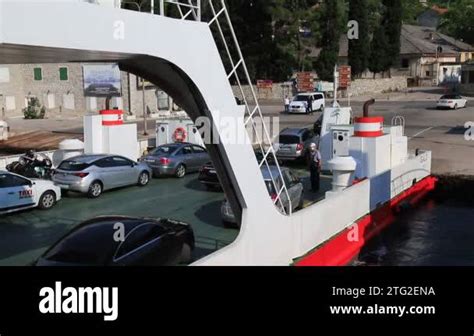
{"points": [[32, 165]]}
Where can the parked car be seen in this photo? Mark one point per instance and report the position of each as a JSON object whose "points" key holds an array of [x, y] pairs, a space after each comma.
{"points": [[299, 103], [294, 143], [93, 174], [208, 176], [146, 242], [452, 101], [176, 159], [292, 182], [19, 193]]}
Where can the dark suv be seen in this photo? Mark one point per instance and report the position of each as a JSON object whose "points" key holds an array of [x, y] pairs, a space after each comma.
{"points": [[294, 143]]}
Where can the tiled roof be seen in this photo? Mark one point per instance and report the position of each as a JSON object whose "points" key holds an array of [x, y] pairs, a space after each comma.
{"points": [[415, 40]]}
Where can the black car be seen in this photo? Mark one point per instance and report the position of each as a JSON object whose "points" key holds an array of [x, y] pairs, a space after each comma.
{"points": [[208, 176], [122, 241]]}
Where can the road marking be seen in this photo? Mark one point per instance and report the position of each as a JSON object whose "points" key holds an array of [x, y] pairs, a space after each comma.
{"points": [[421, 132]]}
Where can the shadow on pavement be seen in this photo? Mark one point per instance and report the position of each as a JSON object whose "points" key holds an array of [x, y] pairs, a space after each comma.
{"points": [[210, 214]]}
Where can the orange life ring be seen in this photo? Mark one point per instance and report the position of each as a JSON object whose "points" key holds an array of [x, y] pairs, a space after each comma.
{"points": [[180, 135]]}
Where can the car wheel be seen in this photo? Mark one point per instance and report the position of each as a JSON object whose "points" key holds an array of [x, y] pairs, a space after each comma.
{"points": [[186, 252], [47, 200], [95, 189], [143, 179], [322, 108], [455, 106], [180, 171]]}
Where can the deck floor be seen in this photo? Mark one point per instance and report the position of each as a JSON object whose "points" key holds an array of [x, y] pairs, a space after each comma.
{"points": [[26, 235]]}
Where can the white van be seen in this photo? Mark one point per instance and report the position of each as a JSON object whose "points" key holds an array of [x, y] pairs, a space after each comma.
{"points": [[299, 103]]}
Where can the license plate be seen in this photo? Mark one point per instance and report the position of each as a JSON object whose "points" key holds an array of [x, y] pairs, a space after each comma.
{"points": [[63, 186], [150, 161], [212, 172], [284, 149]]}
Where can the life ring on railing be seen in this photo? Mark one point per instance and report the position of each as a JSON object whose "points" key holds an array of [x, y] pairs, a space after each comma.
{"points": [[180, 135]]}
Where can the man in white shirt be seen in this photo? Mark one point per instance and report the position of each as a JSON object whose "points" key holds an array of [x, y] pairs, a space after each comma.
{"points": [[287, 104]]}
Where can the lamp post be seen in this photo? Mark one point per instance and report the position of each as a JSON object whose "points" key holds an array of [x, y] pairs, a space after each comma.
{"points": [[439, 50], [145, 119]]}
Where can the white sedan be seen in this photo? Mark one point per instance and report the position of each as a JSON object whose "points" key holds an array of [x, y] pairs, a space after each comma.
{"points": [[452, 101], [19, 193]]}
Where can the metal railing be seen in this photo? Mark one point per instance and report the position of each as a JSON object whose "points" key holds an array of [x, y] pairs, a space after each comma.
{"points": [[399, 121]]}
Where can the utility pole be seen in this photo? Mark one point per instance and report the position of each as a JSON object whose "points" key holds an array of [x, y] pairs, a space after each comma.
{"points": [[145, 120]]}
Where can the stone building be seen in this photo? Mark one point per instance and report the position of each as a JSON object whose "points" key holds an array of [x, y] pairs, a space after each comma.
{"points": [[60, 88]]}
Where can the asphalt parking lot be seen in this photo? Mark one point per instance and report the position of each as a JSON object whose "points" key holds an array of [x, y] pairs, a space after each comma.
{"points": [[441, 131], [27, 234]]}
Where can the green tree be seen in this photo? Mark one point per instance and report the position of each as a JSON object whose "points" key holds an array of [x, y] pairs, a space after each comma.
{"points": [[295, 30], [458, 22], [331, 28], [359, 47], [393, 30], [411, 10], [378, 51]]}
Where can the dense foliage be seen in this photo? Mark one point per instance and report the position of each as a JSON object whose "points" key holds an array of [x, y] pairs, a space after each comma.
{"points": [[280, 37]]}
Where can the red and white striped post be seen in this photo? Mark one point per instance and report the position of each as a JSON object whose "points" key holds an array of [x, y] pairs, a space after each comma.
{"points": [[112, 117], [368, 127]]}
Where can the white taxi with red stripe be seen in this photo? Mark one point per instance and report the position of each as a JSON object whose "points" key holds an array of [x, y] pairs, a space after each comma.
{"points": [[19, 193]]}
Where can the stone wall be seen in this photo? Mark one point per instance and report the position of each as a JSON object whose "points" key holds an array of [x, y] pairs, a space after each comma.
{"points": [[359, 87], [362, 87], [60, 97]]}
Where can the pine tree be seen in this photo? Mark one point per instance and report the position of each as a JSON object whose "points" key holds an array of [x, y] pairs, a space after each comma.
{"points": [[393, 29], [378, 51], [359, 48], [331, 30]]}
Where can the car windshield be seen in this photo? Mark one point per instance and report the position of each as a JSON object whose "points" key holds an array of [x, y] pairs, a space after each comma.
{"points": [[301, 98], [73, 165], [449, 97], [289, 139], [164, 150]]}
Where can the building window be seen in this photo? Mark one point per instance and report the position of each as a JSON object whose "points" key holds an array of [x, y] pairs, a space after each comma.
{"points": [[63, 74], [428, 74], [38, 74], [405, 63]]}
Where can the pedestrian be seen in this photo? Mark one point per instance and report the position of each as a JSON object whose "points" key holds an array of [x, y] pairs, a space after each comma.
{"points": [[309, 108], [314, 163], [287, 104]]}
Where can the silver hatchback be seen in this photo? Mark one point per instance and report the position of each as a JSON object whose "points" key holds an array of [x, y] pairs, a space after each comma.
{"points": [[93, 174]]}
